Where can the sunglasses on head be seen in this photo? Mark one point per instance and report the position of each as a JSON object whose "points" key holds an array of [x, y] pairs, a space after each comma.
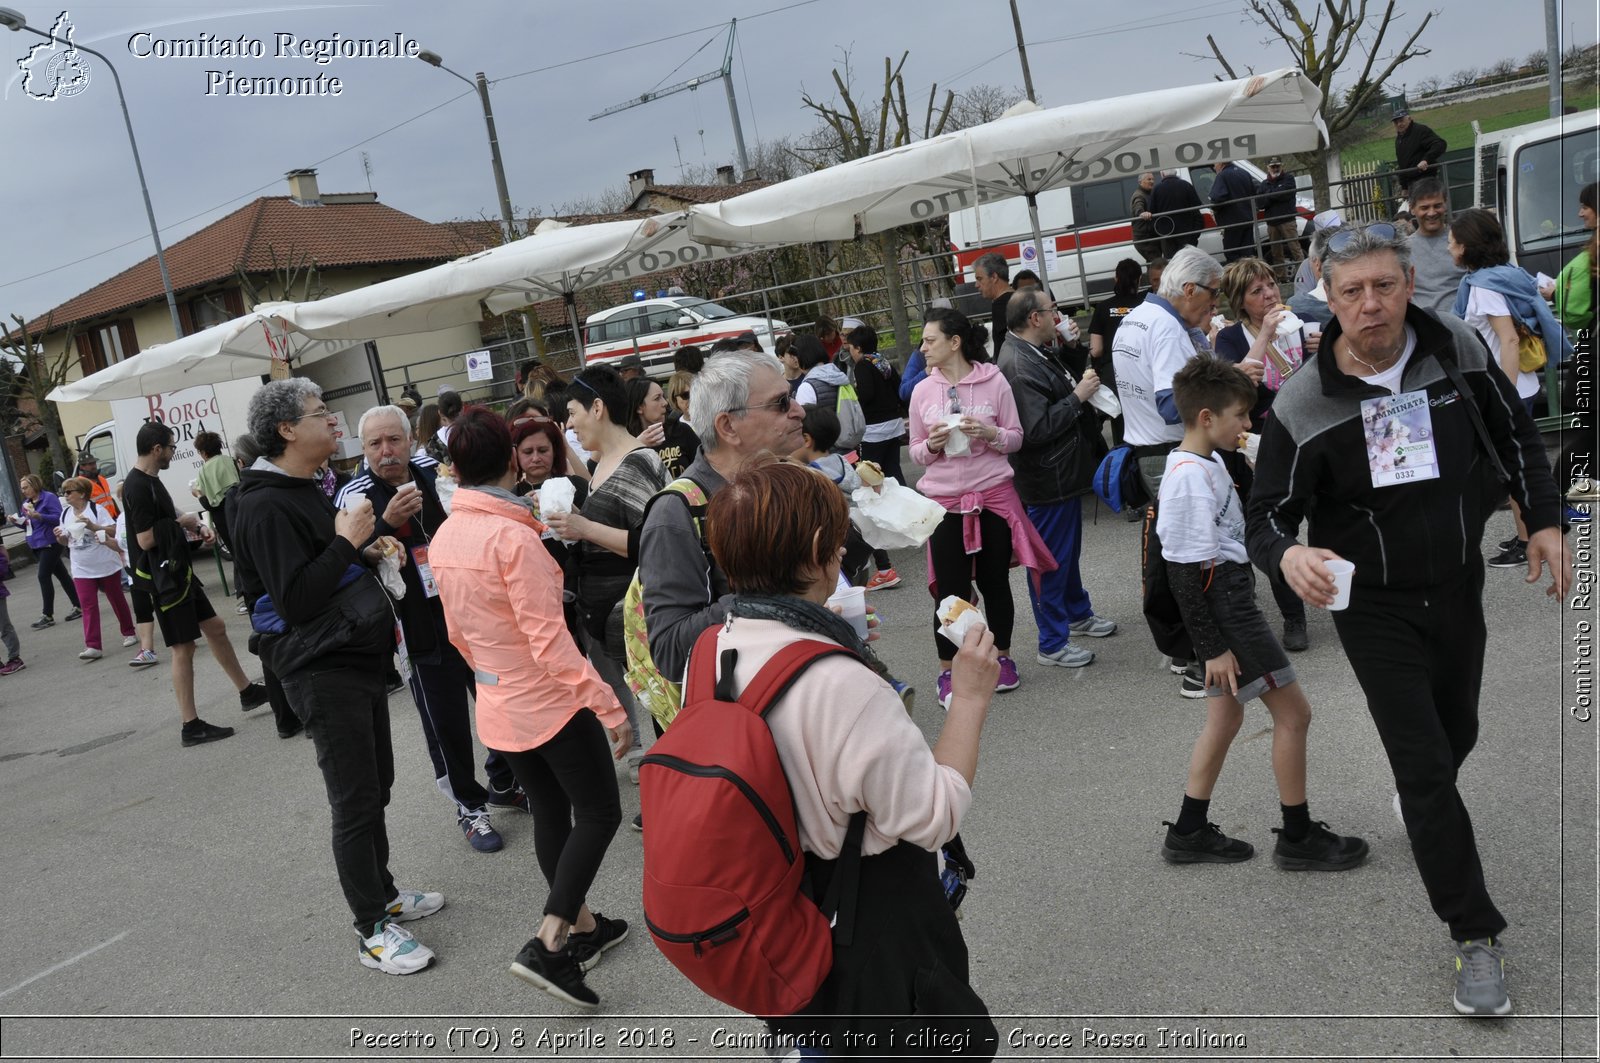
{"points": [[1380, 230]]}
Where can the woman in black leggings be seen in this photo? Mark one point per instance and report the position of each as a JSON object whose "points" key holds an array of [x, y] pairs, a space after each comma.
{"points": [[41, 512], [540, 704]]}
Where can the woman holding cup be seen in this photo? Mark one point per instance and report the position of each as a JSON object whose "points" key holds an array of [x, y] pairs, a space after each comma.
{"points": [[674, 442], [963, 424], [41, 512], [1269, 343], [89, 533], [541, 457]]}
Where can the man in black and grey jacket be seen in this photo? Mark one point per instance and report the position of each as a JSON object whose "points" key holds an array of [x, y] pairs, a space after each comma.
{"points": [[1383, 441], [1054, 469]]}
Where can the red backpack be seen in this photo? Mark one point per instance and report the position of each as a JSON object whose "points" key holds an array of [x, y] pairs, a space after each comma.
{"points": [[724, 877]]}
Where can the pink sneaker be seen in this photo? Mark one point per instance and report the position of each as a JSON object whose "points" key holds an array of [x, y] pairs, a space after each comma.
{"points": [[1009, 680]]}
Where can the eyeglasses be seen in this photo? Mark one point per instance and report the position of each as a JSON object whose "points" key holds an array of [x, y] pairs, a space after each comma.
{"points": [[324, 413], [782, 402], [1378, 230], [1209, 290]]}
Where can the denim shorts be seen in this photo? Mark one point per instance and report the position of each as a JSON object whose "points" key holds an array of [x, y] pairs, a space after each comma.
{"points": [[1263, 665]]}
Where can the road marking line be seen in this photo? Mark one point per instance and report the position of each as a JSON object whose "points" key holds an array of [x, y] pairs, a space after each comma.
{"points": [[64, 963]]}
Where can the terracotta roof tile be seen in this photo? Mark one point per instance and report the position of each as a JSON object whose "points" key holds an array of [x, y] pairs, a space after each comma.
{"points": [[702, 193], [267, 233]]}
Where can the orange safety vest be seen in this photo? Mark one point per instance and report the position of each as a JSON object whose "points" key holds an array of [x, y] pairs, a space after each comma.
{"points": [[101, 495]]}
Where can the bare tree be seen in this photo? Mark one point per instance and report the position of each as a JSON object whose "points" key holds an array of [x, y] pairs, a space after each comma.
{"points": [[1463, 78], [295, 278], [1321, 37], [1502, 69], [44, 373], [854, 135], [982, 103], [1538, 61], [1428, 85]]}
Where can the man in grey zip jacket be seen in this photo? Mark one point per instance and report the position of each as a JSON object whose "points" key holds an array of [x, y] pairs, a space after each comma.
{"points": [[1384, 451]]}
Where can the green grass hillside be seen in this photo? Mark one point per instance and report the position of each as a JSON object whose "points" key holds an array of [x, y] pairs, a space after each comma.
{"points": [[1454, 121]]}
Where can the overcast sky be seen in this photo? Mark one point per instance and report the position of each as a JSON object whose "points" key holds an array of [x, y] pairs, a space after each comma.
{"points": [[70, 211]]}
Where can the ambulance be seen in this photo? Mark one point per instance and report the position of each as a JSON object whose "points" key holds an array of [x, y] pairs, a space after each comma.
{"points": [[654, 329]]}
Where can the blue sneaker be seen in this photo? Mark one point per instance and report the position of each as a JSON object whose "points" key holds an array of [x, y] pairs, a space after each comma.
{"points": [[480, 833], [515, 799]]}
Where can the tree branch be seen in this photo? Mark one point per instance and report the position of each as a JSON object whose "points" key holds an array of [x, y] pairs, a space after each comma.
{"points": [[1226, 66]]}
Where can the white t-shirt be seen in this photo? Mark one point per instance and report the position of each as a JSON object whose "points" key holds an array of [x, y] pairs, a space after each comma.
{"points": [[805, 394], [1389, 379], [1150, 347], [1200, 518], [1483, 304], [577, 447], [91, 558]]}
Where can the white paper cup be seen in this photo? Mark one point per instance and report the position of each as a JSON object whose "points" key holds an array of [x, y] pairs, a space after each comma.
{"points": [[1252, 446], [1343, 572], [1312, 328], [852, 604]]}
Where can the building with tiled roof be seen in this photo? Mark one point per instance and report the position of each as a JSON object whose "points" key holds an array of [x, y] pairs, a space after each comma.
{"points": [[659, 199], [310, 242]]}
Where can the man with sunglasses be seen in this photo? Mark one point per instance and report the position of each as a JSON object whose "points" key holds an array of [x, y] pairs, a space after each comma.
{"points": [[156, 543], [1385, 440], [741, 407]]}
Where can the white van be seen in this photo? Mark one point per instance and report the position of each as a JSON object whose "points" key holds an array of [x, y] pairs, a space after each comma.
{"points": [[216, 408], [1092, 219], [1530, 175], [655, 329]]}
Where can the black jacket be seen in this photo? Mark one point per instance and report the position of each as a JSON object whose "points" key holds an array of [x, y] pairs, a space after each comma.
{"points": [[1061, 442], [1407, 537], [1233, 196], [1173, 193], [1416, 144], [878, 388], [1277, 198], [287, 549], [421, 617]]}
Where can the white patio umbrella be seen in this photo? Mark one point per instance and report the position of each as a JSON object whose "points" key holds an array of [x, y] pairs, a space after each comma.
{"points": [[233, 350], [1024, 154], [555, 262]]}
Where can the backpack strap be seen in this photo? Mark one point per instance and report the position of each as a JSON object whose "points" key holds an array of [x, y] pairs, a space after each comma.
{"points": [[839, 903], [694, 496], [1448, 362]]}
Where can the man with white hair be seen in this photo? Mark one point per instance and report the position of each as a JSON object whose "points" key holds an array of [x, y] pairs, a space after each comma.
{"points": [[1153, 342], [400, 487]]}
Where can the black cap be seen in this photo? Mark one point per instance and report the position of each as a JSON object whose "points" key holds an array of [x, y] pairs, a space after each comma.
{"points": [[1275, 162], [630, 361], [748, 337]]}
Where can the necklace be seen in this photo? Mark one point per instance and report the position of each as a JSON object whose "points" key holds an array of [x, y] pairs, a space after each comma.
{"points": [[1349, 348]]}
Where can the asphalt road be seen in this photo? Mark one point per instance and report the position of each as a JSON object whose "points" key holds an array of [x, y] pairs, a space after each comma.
{"points": [[163, 901]]}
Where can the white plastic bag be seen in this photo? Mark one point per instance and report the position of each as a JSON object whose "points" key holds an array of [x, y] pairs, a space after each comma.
{"points": [[445, 488], [897, 518], [389, 575], [556, 495]]}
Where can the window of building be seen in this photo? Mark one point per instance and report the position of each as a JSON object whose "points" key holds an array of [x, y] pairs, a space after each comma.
{"points": [[106, 345]]}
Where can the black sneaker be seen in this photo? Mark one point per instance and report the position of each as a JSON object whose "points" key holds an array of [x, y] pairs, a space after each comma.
{"points": [[43, 622], [76, 614], [1320, 850], [557, 973], [1295, 639], [586, 948], [292, 730], [1513, 556], [197, 732], [1194, 681], [1506, 544], [515, 799], [637, 823], [252, 697], [1208, 845]]}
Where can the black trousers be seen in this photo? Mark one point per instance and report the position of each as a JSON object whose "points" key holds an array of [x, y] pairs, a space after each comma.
{"points": [[572, 787], [887, 455], [955, 570], [440, 689], [50, 564], [1419, 660], [347, 712]]}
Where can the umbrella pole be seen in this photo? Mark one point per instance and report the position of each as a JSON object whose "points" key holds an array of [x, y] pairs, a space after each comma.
{"points": [[577, 330], [1038, 244]]}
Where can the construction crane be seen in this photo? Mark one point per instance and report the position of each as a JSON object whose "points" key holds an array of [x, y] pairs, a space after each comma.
{"points": [[725, 73]]}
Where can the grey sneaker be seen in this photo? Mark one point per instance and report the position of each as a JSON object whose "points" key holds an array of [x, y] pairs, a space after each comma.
{"points": [[1068, 656], [1481, 978], [1095, 627]]}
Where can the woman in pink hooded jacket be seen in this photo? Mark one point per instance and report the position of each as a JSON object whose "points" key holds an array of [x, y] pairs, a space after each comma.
{"points": [[963, 424], [540, 703]]}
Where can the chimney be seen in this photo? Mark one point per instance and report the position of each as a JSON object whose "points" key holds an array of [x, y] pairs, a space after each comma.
{"points": [[303, 187], [639, 180], [725, 175]]}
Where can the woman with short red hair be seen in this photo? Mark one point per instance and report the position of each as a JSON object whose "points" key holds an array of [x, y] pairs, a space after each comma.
{"points": [[540, 704], [848, 745]]}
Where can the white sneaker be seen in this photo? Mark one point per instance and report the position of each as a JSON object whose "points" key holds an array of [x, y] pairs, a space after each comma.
{"points": [[1068, 656], [1095, 627], [91, 654], [130, 640], [392, 950], [414, 904], [1401, 816]]}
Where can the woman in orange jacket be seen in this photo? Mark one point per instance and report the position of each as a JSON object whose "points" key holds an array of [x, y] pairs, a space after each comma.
{"points": [[540, 703]]}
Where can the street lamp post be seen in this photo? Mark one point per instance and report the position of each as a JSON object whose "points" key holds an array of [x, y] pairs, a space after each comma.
{"points": [[14, 20], [507, 226]]}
